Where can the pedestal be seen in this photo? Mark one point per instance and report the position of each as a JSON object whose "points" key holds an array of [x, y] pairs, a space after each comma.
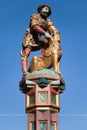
{"points": [[42, 90]]}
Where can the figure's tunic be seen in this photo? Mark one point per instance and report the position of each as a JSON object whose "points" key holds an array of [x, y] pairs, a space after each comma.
{"points": [[36, 19], [38, 26]]}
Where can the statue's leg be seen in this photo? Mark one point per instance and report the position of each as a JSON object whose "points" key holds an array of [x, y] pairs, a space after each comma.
{"points": [[55, 60], [24, 59], [59, 72]]}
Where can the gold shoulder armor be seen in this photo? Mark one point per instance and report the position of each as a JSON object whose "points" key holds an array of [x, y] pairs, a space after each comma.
{"points": [[34, 19]]}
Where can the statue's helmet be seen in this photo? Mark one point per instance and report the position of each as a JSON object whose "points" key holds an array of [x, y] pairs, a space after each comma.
{"points": [[44, 10]]}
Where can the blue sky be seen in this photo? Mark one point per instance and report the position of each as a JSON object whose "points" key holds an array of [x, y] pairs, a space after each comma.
{"points": [[70, 17]]}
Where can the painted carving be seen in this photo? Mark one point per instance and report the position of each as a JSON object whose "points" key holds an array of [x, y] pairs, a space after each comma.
{"points": [[50, 43]]}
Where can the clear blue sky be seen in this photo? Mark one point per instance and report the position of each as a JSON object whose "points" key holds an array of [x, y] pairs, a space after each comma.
{"points": [[70, 17]]}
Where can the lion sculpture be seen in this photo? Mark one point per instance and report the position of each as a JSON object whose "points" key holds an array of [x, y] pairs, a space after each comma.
{"points": [[52, 55]]}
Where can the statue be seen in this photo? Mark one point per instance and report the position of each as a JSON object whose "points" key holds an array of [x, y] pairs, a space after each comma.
{"points": [[51, 51]]}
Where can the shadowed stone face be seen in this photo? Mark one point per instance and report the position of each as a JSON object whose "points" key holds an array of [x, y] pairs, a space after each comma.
{"points": [[45, 12]]}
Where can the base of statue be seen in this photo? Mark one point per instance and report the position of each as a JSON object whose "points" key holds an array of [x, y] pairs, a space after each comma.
{"points": [[42, 91], [42, 77]]}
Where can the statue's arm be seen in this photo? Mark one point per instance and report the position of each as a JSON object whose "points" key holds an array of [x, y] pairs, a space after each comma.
{"points": [[34, 24], [51, 27], [38, 29], [54, 32]]}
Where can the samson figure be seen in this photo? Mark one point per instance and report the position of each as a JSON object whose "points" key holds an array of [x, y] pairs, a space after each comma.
{"points": [[39, 25]]}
